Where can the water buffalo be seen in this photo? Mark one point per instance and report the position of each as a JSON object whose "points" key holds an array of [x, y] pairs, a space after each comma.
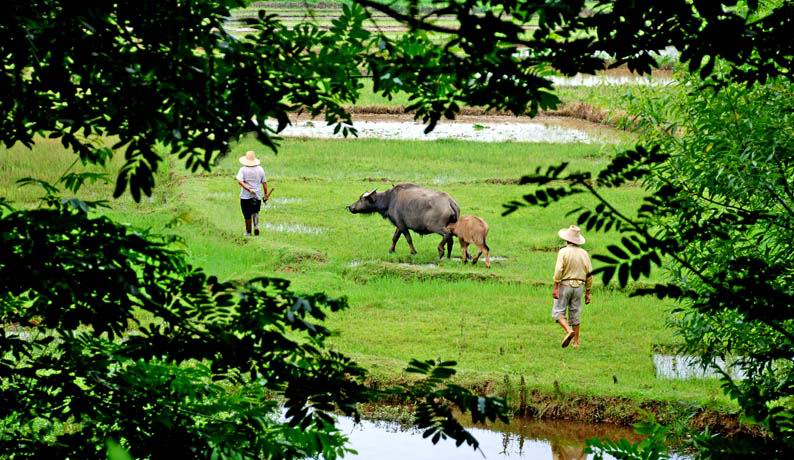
{"points": [[410, 207]]}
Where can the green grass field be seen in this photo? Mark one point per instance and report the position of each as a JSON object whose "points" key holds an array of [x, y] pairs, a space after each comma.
{"points": [[493, 322]]}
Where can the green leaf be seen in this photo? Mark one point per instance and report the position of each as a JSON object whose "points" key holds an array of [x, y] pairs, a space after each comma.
{"points": [[623, 274], [618, 252], [116, 452]]}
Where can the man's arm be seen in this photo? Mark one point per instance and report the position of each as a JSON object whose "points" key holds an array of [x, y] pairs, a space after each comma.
{"points": [[240, 180], [588, 284], [557, 276], [266, 195], [245, 186]]}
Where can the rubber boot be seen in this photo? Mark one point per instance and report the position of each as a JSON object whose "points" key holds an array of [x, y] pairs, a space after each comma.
{"points": [[247, 227]]}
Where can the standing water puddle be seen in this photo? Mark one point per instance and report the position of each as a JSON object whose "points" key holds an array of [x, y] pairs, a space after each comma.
{"points": [[522, 438], [688, 367], [597, 80], [497, 132], [293, 228]]}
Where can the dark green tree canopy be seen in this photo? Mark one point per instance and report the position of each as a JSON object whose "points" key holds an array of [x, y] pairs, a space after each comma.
{"points": [[718, 212], [165, 78], [134, 344]]}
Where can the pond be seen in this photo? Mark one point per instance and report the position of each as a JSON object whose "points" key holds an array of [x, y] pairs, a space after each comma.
{"points": [[521, 439]]}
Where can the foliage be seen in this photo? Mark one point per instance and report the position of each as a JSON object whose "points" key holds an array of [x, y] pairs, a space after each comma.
{"points": [[653, 447], [497, 54], [108, 334], [719, 210], [205, 359], [164, 78]]}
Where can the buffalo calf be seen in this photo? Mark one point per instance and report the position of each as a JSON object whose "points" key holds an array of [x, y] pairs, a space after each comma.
{"points": [[472, 229]]}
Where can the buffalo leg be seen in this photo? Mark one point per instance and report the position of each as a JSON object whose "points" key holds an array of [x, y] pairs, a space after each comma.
{"points": [[446, 239], [410, 241], [394, 239], [487, 250]]}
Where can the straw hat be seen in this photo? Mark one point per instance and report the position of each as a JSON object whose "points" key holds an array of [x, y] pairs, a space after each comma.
{"points": [[572, 234], [249, 159]]}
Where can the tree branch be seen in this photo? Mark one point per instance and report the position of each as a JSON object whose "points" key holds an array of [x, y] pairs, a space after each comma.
{"points": [[422, 24], [783, 165], [644, 232], [410, 20], [771, 218]]}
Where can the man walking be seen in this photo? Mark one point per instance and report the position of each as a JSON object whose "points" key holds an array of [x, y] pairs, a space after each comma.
{"points": [[572, 278], [252, 180]]}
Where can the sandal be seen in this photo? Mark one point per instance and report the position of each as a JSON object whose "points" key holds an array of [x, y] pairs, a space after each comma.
{"points": [[567, 340]]}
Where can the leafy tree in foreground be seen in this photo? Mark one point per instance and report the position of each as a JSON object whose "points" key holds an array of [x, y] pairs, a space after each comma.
{"points": [[161, 78], [131, 345], [720, 182], [498, 53], [135, 345], [719, 169]]}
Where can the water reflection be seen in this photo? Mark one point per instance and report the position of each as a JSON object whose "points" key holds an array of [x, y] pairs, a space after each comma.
{"points": [[530, 439]]}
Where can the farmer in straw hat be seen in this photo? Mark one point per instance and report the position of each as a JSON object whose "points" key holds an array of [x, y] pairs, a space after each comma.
{"points": [[572, 278], [253, 183]]}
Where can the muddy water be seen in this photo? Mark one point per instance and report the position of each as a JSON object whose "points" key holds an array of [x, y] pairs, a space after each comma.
{"points": [[483, 132], [293, 228], [523, 438], [597, 80], [688, 367]]}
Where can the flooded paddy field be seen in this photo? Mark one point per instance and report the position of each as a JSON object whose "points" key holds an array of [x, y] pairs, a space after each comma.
{"points": [[478, 128], [400, 130]]}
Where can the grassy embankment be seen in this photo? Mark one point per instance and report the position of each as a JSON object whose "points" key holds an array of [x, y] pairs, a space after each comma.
{"points": [[495, 323]]}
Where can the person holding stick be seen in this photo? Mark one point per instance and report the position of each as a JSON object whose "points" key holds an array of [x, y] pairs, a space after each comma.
{"points": [[253, 193]]}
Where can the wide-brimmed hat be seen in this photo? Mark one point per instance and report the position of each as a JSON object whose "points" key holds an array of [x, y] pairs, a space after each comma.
{"points": [[572, 234], [249, 159]]}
